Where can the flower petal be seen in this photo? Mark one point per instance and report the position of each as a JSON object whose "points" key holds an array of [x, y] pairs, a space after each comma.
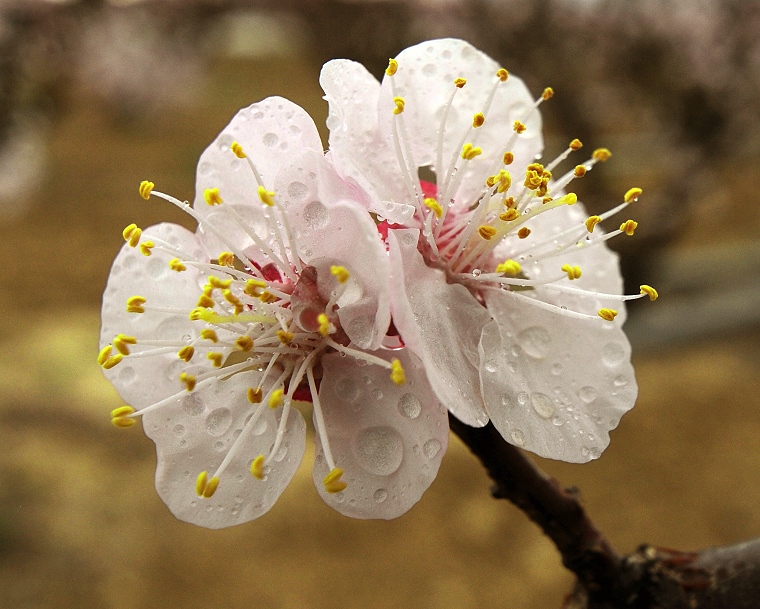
{"points": [[388, 439], [441, 323], [554, 384], [196, 432]]}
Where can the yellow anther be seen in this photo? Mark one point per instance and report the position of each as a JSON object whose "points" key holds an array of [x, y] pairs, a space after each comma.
{"points": [[398, 376], [519, 127], [580, 171], [569, 199], [502, 74], [285, 337], [267, 297], [490, 181], [120, 417], [146, 246], [277, 398], [628, 227], [104, 354], [573, 272], [238, 150], [340, 272], [216, 282], [392, 67], [266, 196], [509, 215], [399, 105], [252, 287], [509, 267], [215, 358], [255, 395], [591, 222], [523, 232], [186, 353], [649, 291], [547, 94], [632, 195], [135, 304], [607, 314], [534, 176], [332, 481], [205, 301], [132, 234], [212, 196], [601, 154], [503, 180], [204, 486], [244, 343], [257, 467], [188, 380], [112, 361], [478, 120], [576, 144], [434, 206], [546, 200], [209, 334], [208, 290], [486, 232], [145, 189], [324, 324], [460, 82], [199, 314], [510, 203], [508, 158], [469, 152], [230, 297], [122, 342], [226, 259], [175, 264]]}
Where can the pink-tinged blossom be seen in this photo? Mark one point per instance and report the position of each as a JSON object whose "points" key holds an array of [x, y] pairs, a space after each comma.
{"points": [[501, 283], [280, 295]]}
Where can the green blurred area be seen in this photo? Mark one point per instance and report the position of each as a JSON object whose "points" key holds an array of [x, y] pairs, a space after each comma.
{"points": [[81, 524]]}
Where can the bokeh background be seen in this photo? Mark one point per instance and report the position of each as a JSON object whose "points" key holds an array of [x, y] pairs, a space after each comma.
{"points": [[97, 95]]}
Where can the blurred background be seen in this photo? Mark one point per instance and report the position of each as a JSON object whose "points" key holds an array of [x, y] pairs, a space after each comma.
{"points": [[97, 95]]}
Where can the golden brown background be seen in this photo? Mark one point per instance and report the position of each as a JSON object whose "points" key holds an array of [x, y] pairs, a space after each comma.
{"points": [[80, 522]]}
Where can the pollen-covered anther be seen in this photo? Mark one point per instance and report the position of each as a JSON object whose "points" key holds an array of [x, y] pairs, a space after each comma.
{"points": [[508, 158], [257, 467], [146, 246], [209, 334], [503, 180], [266, 196], [217, 282], [132, 235], [277, 398], [332, 481], [285, 337], [628, 227], [569, 199], [546, 200], [591, 222], [186, 353], [175, 264], [607, 314], [509, 215], [244, 343], [230, 297], [392, 67], [106, 360], [478, 120], [135, 304], [324, 325], [487, 232], [399, 104], [120, 417], [601, 154], [255, 395], [519, 127], [460, 82], [340, 273], [576, 144], [649, 291], [469, 152], [547, 94], [215, 358], [534, 176], [212, 196], [253, 287], [205, 301], [523, 232], [502, 74], [122, 342], [579, 171], [188, 380], [510, 203], [204, 486], [632, 195], [573, 272], [433, 206], [226, 259], [267, 297], [398, 376], [509, 267], [238, 150], [145, 189]]}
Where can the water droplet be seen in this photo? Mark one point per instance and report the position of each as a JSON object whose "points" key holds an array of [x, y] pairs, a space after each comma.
{"points": [[587, 394], [620, 381], [178, 430], [490, 365], [315, 215], [409, 406], [535, 341], [518, 437], [595, 453], [522, 398], [558, 421], [127, 374], [476, 272], [347, 390], [270, 140], [280, 455], [193, 405], [506, 400], [218, 421], [543, 405], [380, 495], [218, 446], [297, 191], [512, 366], [431, 448], [260, 427], [613, 354], [377, 393], [380, 450], [556, 369]]}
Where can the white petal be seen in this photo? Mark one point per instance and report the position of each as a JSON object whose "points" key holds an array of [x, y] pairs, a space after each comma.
{"points": [[441, 323], [142, 381], [553, 384], [388, 439], [194, 434]]}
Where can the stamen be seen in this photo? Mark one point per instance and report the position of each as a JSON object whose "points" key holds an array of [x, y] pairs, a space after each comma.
{"points": [[146, 189], [122, 342], [632, 195], [255, 395], [175, 264], [628, 227], [186, 353], [398, 376], [257, 467], [332, 481], [120, 417], [648, 290], [573, 272], [212, 197], [607, 314], [135, 304], [204, 486], [592, 222], [189, 380], [509, 267], [277, 398], [132, 235]]}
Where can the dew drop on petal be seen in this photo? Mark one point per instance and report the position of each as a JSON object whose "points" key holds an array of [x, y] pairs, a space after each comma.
{"points": [[522, 398], [270, 139], [280, 455], [490, 365], [543, 405], [380, 450], [535, 341], [409, 406], [260, 427], [347, 389], [587, 394], [620, 381], [297, 191], [431, 448], [518, 437], [506, 400], [315, 215], [193, 405], [178, 430], [218, 421], [613, 354], [380, 495], [556, 369]]}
